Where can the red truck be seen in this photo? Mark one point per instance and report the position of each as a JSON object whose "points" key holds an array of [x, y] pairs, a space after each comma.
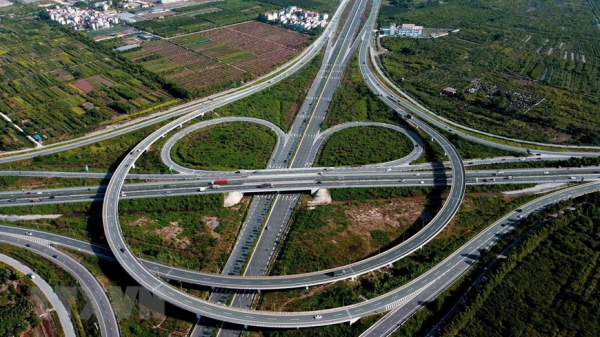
{"points": [[219, 182]]}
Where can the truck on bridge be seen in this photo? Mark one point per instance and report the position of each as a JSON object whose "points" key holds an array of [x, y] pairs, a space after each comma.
{"points": [[219, 182]]}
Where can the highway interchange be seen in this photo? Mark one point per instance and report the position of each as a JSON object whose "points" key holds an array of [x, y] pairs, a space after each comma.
{"points": [[289, 171]]}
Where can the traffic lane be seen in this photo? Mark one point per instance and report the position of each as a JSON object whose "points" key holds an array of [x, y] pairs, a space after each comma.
{"points": [[309, 185], [92, 288], [460, 261], [46, 289]]}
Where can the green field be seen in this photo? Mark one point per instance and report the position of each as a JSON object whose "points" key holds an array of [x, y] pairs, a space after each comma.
{"points": [[355, 102], [363, 221], [227, 146], [363, 146], [544, 52], [16, 307], [57, 83]]}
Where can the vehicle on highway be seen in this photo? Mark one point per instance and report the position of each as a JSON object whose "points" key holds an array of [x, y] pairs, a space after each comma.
{"points": [[52, 196], [319, 182], [573, 178], [12, 200], [202, 189], [122, 250], [31, 276], [421, 182], [519, 210], [219, 182], [216, 186], [546, 172], [123, 194], [318, 316], [28, 245], [267, 185], [55, 256], [167, 192], [39, 193], [338, 272]]}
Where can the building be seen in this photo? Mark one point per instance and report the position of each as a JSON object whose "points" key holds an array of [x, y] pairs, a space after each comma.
{"points": [[409, 29], [296, 17], [448, 91]]}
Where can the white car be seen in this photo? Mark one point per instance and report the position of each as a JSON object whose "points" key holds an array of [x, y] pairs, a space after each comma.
{"points": [[318, 316], [546, 172], [29, 233], [422, 182]]}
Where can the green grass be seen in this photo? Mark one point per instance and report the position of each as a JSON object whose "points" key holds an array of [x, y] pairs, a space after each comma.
{"points": [[323, 238], [8, 183], [278, 104], [513, 44], [174, 230], [103, 156], [355, 102], [112, 277], [362, 146], [225, 147]]}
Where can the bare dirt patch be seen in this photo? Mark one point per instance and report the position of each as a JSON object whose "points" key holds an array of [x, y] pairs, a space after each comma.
{"points": [[170, 234], [212, 222]]}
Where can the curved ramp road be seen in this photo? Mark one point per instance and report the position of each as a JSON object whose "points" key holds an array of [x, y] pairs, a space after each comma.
{"points": [[133, 267], [165, 154], [93, 289], [57, 305], [194, 109], [367, 58], [453, 267], [417, 142], [282, 139]]}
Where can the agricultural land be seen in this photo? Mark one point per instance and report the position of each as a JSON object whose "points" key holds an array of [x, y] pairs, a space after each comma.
{"points": [[523, 70], [219, 59], [77, 89]]}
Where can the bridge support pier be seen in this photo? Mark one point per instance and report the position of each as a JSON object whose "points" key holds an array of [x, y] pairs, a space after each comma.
{"points": [[232, 199], [354, 320]]}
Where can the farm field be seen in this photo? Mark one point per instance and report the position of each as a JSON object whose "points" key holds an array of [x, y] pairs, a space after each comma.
{"points": [[523, 70], [218, 59], [56, 86], [205, 16]]}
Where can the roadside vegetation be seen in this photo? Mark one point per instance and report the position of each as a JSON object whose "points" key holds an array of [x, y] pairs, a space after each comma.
{"points": [[8, 183], [280, 103], [194, 232], [547, 283], [141, 320], [362, 146], [355, 102], [335, 235], [57, 277], [17, 304], [571, 162], [227, 146], [103, 156], [537, 82]]}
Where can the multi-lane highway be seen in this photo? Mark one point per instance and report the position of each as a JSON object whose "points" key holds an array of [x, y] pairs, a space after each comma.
{"points": [[93, 289]]}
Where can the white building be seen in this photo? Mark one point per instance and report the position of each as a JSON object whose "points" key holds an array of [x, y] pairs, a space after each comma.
{"points": [[409, 29]]}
